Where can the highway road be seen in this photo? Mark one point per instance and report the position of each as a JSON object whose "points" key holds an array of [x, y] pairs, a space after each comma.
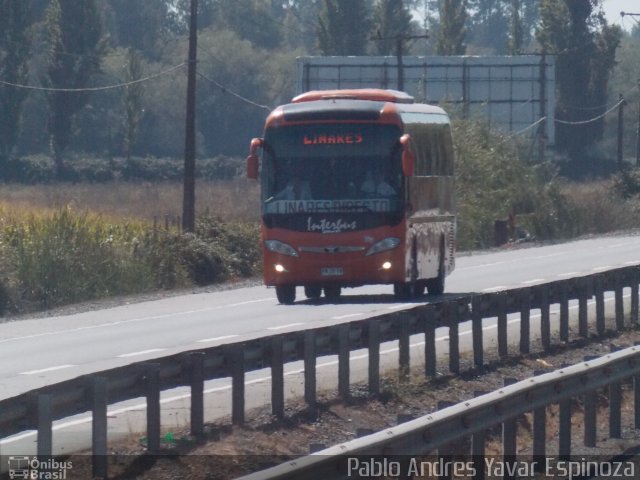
{"points": [[36, 352], [39, 351]]}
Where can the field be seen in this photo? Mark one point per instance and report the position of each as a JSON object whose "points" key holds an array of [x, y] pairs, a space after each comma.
{"points": [[229, 200]]}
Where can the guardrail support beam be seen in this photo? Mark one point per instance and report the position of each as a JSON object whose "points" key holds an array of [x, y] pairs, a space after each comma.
{"points": [[99, 404], [45, 425], [374, 356], [277, 377], [196, 367], [344, 359], [237, 384], [310, 367], [152, 387]]}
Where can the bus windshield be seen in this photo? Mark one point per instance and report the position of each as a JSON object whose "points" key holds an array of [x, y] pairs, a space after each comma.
{"points": [[335, 168]]}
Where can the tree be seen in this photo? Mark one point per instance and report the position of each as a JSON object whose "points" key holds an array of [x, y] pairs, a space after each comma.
{"points": [[74, 31], [451, 34], [516, 31], [344, 27], [132, 101], [390, 19], [15, 43], [136, 24], [585, 45]]}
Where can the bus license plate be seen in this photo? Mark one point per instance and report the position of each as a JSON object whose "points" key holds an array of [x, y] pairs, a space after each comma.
{"points": [[331, 271]]}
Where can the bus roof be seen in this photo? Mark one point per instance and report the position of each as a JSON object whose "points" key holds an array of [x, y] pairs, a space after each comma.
{"points": [[374, 94]]}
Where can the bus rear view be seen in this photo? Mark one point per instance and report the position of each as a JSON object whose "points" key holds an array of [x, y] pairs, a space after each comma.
{"points": [[356, 189]]}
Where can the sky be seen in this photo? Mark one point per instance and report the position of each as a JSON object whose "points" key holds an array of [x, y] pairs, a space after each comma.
{"points": [[612, 9]]}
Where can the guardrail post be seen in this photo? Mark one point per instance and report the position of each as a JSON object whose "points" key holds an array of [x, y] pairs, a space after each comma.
{"points": [[445, 451], [404, 362], [476, 326], [196, 380], [583, 321], [344, 358], [619, 304], [429, 320], [99, 427], [615, 407], [545, 323], [503, 345], [634, 304], [539, 434], [599, 293], [525, 322], [236, 356], [590, 413], [310, 367], [636, 401], [564, 313], [564, 420], [451, 316], [45, 427], [478, 442], [152, 388], [277, 376], [374, 356], [509, 434]]}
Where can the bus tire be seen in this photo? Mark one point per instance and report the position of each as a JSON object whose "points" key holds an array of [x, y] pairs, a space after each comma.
{"points": [[435, 286], [312, 292], [332, 292], [286, 294]]}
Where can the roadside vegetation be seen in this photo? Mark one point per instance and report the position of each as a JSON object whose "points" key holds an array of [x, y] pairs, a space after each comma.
{"points": [[69, 242]]}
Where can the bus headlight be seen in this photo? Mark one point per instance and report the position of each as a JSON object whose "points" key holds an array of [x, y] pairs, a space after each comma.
{"points": [[280, 247], [383, 245]]}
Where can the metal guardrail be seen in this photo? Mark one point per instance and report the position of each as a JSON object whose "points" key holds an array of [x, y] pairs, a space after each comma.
{"points": [[472, 418], [37, 409]]}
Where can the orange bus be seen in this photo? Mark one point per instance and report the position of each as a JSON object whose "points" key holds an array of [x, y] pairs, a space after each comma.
{"points": [[357, 188]]}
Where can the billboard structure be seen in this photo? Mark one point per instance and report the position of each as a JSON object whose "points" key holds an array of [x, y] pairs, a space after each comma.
{"points": [[514, 93]]}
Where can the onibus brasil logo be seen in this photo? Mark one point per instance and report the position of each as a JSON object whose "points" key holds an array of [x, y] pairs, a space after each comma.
{"points": [[32, 468]]}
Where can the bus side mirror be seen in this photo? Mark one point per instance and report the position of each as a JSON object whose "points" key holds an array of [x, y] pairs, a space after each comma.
{"points": [[253, 161], [408, 160]]}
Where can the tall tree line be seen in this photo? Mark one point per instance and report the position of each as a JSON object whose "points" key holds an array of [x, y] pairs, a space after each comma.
{"points": [[246, 61]]}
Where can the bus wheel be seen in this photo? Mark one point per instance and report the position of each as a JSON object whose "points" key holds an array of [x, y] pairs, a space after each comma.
{"points": [[435, 286], [312, 292], [286, 294], [332, 292]]}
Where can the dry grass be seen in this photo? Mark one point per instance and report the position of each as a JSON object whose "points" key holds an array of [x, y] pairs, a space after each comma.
{"points": [[230, 200]]}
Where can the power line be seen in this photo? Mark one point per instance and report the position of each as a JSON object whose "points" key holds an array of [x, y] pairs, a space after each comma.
{"points": [[93, 89], [237, 95], [583, 122]]}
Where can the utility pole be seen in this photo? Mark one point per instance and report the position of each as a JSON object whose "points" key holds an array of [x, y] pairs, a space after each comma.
{"points": [[189, 199], [638, 133], [620, 131], [399, 44]]}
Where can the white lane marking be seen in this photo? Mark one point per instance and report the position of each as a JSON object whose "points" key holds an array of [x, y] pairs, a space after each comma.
{"points": [[143, 406], [549, 255], [495, 289], [535, 280], [134, 320], [598, 269], [568, 274], [280, 327], [341, 317], [49, 369], [216, 339], [399, 306], [480, 266], [141, 352]]}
